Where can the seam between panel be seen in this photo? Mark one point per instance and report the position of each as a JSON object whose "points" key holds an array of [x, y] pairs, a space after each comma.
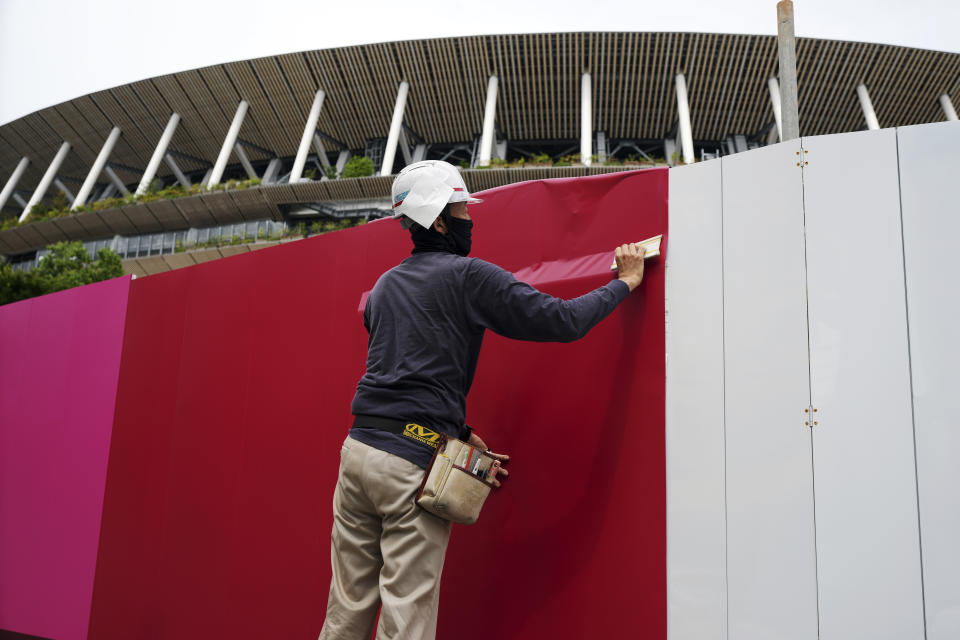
{"points": [[913, 415], [813, 472], [723, 351]]}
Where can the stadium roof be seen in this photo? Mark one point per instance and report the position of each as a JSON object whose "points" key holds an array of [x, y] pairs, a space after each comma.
{"points": [[633, 95]]}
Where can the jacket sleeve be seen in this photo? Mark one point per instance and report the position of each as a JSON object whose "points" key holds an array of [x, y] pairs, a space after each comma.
{"points": [[514, 309]]}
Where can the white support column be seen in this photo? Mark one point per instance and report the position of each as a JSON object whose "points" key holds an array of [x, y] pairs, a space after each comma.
{"points": [[947, 105], [774, 87], [158, 154], [683, 116], [95, 170], [489, 116], [244, 160], [321, 151], [106, 192], [404, 147], [63, 188], [586, 119], [342, 161], [390, 152], [181, 176], [117, 182], [47, 178], [868, 113], [308, 133], [221, 164], [8, 189], [19, 199], [273, 170]]}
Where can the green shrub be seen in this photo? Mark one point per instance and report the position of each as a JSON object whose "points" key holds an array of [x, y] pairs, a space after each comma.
{"points": [[541, 158], [331, 172], [67, 265], [358, 167]]}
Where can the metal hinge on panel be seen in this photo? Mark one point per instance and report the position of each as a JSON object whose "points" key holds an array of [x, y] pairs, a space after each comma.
{"points": [[802, 162], [811, 417]]}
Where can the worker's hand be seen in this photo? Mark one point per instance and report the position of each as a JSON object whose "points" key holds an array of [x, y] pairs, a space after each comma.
{"points": [[501, 459], [629, 259]]}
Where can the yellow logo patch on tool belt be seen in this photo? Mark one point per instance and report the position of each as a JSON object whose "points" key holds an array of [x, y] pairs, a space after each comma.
{"points": [[422, 434]]}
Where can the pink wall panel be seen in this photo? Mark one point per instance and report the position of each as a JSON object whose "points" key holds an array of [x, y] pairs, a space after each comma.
{"points": [[59, 362], [234, 398]]}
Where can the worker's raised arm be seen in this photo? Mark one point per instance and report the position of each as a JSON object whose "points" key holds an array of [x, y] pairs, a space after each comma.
{"points": [[514, 309]]}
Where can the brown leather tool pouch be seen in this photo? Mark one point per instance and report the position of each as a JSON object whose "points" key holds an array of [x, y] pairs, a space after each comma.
{"points": [[454, 486]]}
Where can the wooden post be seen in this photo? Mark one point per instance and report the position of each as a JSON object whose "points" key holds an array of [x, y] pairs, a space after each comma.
{"points": [[790, 116]]}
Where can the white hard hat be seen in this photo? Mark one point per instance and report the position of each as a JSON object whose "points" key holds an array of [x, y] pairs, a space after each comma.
{"points": [[422, 189]]}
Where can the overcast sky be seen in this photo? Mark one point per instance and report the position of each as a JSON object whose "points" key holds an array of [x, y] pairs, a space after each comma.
{"points": [[52, 51]]}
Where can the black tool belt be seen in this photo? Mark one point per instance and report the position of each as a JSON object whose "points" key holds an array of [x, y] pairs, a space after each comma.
{"points": [[423, 435]]}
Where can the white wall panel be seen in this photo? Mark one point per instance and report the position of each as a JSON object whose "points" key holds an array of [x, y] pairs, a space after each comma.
{"points": [[930, 195], [696, 574], [868, 550], [770, 531]]}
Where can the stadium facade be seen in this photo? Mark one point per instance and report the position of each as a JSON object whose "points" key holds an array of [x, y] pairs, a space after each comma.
{"points": [[275, 134]]}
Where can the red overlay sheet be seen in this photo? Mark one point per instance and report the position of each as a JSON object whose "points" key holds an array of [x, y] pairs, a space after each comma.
{"points": [[233, 398]]}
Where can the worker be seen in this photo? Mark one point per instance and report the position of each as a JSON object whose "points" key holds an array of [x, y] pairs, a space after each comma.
{"points": [[426, 319]]}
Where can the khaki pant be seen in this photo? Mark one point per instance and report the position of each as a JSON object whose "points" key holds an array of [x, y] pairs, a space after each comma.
{"points": [[384, 549]]}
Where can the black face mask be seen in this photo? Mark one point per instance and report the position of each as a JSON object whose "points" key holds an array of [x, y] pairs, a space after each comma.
{"points": [[457, 239], [460, 232]]}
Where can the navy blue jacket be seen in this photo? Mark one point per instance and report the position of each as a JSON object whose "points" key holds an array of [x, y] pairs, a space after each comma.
{"points": [[426, 318]]}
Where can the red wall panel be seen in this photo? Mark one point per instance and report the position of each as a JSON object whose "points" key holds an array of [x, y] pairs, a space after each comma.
{"points": [[234, 397], [59, 360]]}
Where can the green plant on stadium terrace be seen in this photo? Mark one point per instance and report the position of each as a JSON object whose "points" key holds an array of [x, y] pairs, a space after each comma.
{"points": [[315, 228], [331, 172], [67, 265], [612, 162], [465, 165], [541, 159], [358, 167], [310, 173], [59, 201], [59, 205], [178, 247]]}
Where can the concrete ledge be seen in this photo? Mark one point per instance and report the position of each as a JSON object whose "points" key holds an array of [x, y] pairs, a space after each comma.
{"points": [[155, 264], [234, 250], [179, 260]]}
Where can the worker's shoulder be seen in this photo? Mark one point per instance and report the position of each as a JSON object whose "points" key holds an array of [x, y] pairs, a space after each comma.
{"points": [[441, 261], [479, 270]]}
